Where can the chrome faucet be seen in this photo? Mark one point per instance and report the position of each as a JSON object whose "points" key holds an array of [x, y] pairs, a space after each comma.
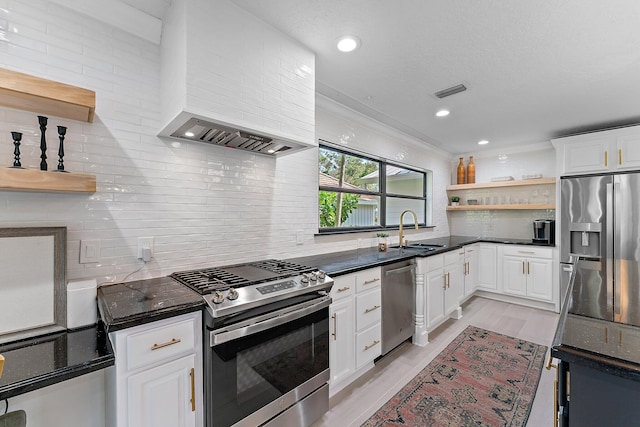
{"points": [[415, 221]]}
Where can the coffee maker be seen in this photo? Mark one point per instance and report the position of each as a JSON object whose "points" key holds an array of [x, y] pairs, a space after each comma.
{"points": [[544, 231]]}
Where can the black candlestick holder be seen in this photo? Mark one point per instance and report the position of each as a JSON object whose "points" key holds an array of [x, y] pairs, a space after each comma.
{"points": [[43, 142], [62, 131], [17, 137]]}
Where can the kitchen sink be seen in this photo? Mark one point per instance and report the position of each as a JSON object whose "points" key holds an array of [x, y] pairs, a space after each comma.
{"points": [[424, 246]]}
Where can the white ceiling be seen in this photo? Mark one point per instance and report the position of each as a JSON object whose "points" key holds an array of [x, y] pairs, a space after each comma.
{"points": [[535, 69]]}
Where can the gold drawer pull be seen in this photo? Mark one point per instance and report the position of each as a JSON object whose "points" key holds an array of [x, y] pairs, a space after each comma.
{"points": [[335, 327], [620, 156], [1, 364], [526, 252], [346, 288], [368, 282], [369, 310], [373, 344], [192, 374], [166, 344], [606, 158]]}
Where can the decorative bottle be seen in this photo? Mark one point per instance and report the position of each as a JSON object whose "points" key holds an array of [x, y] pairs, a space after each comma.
{"points": [[471, 171], [461, 171]]}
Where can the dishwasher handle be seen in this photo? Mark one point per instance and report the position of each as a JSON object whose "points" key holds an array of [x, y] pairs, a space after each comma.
{"points": [[400, 270]]}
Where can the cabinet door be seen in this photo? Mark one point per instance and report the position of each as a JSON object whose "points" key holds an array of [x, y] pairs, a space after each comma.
{"points": [[455, 287], [628, 152], [487, 268], [435, 297], [588, 154], [161, 396], [341, 341], [514, 275], [539, 278], [471, 273]]}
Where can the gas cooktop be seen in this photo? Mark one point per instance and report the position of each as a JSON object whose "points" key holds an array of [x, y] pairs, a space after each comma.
{"points": [[234, 288]]}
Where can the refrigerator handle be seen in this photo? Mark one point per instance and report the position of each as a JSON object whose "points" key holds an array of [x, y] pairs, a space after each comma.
{"points": [[613, 295]]}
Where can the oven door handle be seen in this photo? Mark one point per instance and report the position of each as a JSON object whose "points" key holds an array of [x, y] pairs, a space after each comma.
{"points": [[230, 333]]}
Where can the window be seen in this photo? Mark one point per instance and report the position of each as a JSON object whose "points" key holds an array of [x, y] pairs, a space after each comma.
{"points": [[353, 196]]}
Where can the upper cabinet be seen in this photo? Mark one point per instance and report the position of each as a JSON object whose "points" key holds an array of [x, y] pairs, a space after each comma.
{"points": [[42, 96], [605, 151]]}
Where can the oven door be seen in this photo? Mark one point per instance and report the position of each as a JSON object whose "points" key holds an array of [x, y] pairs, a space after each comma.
{"points": [[258, 367]]}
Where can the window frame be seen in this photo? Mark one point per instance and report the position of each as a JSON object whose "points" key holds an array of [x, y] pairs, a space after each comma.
{"points": [[382, 193]]}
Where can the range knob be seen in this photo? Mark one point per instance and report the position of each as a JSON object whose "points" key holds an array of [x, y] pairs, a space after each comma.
{"points": [[313, 276], [232, 295], [304, 280], [217, 297], [321, 274]]}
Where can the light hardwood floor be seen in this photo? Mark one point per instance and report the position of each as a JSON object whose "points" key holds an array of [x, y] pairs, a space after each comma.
{"points": [[358, 401]]}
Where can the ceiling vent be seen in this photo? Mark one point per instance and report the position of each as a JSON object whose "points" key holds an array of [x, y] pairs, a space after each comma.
{"points": [[451, 91]]}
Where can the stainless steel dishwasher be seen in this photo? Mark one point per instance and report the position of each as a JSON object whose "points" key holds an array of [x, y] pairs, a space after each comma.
{"points": [[398, 295]]}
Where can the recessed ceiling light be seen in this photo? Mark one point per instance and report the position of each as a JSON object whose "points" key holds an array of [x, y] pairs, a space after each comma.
{"points": [[189, 134], [442, 113], [483, 142], [348, 43]]}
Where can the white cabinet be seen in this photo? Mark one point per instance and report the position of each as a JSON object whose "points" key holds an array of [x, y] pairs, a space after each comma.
{"points": [[605, 151], [355, 325], [487, 268], [157, 377], [471, 269], [528, 272], [444, 286]]}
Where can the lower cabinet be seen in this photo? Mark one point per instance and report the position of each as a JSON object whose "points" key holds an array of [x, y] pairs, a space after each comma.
{"points": [[444, 286], [157, 377], [487, 268], [471, 269], [528, 272], [355, 328]]}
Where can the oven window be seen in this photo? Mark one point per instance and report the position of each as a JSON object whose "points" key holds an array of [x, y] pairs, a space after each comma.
{"points": [[252, 371]]}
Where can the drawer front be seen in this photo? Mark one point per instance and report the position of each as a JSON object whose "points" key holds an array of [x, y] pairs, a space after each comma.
{"points": [[454, 257], [434, 262], [528, 251], [160, 343], [368, 279], [368, 309], [343, 286], [368, 345]]}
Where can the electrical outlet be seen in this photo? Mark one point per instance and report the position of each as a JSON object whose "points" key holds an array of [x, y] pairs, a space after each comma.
{"points": [[145, 243], [89, 251]]}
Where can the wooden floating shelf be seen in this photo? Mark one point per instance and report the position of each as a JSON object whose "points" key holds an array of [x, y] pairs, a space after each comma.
{"points": [[501, 207], [42, 96], [535, 181], [12, 179]]}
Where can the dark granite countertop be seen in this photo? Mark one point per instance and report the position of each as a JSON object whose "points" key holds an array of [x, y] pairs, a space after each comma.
{"points": [[612, 348], [49, 359], [339, 263], [124, 305]]}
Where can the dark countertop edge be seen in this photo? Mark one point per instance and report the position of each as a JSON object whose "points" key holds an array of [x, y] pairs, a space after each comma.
{"points": [[60, 375], [143, 318]]}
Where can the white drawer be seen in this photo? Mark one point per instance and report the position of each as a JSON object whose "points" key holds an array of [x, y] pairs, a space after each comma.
{"points": [[454, 257], [368, 345], [434, 262], [343, 286], [155, 344], [368, 279], [368, 309], [528, 251]]}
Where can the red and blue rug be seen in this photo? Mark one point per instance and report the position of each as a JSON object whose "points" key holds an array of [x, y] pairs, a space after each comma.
{"points": [[481, 379]]}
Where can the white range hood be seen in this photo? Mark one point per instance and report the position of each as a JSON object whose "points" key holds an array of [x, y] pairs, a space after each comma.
{"points": [[230, 80]]}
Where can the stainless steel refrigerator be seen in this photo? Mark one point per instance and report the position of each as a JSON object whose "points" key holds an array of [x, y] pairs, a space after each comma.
{"points": [[600, 225]]}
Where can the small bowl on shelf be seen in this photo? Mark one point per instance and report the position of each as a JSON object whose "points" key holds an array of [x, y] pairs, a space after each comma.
{"points": [[472, 202]]}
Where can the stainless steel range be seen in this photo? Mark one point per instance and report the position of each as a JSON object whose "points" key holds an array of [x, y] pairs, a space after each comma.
{"points": [[266, 349]]}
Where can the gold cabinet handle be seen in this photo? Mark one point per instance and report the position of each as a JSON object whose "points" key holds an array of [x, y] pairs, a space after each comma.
{"points": [[606, 335], [606, 158], [346, 288], [192, 374], [166, 344], [522, 267], [368, 282], [528, 268], [448, 280], [373, 344], [335, 327], [369, 310], [550, 364], [620, 156], [444, 281], [526, 252], [1, 364], [555, 403]]}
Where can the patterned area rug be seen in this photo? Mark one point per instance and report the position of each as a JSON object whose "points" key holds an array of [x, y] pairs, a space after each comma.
{"points": [[481, 379]]}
